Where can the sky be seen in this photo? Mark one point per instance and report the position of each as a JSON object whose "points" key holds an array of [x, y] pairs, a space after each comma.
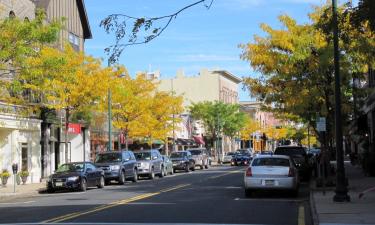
{"points": [[198, 38]]}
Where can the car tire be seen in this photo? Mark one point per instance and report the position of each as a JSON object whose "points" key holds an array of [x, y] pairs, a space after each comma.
{"points": [[248, 193], [135, 176], [193, 168], [83, 186], [121, 178], [151, 176], [107, 182], [186, 168], [174, 171], [161, 175], [101, 182]]}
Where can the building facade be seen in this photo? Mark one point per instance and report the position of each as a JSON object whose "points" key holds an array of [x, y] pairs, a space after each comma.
{"points": [[21, 135]]}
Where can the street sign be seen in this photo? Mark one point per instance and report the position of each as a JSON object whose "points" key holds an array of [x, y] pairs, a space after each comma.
{"points": [[321, 124]]}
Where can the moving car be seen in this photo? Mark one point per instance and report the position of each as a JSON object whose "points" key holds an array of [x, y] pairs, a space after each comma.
{"points": [[168, 165], [76, 176], [149, 163], [182, 160], [118, 166], [240, 159], [300, 158], [228, 157], [200, 156], [245, 151], [271, 172]]}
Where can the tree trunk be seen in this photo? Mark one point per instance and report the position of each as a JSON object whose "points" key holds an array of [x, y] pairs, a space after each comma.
{"points": [[45, 143]]}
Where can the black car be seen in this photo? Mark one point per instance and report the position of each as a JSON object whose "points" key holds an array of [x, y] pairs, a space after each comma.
{"points": [[300, 158], [119, 166], [240, 159], [76, 176], [182, 160]]}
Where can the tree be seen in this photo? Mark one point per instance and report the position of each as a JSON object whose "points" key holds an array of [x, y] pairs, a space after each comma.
{"points": [[219, 119], [251, 126], [66, 81], [296, 66], [149, 28], [20, 40]]}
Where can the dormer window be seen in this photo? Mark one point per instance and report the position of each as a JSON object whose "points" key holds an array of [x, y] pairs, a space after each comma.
{"points": [[12, 14]]}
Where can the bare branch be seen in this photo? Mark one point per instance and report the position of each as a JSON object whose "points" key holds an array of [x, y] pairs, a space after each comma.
{"points": [[147, 27]]}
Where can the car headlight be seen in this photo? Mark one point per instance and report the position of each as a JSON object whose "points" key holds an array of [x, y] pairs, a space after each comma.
{"points": [[182, 162], [114, 167], [73, 178]]}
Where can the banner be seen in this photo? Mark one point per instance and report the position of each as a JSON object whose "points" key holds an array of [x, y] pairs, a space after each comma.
{"points": [[74, 128]]}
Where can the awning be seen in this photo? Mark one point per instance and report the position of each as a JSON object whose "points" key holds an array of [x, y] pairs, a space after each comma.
{"points": [[199, 140]]}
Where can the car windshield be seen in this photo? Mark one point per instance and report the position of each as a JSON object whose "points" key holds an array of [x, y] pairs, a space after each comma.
{"points": [[195, 152], [71, 167], [143, 155], [243, 152], [231, 153], [108, 157], [271, 162], [178, 154], [290, 151]]}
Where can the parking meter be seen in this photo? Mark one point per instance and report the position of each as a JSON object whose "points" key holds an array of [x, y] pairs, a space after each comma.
{"points": [[15, 168]]}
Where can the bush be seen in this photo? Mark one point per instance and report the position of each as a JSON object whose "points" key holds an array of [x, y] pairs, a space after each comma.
{"points": [[23, 173], [5, 174]]}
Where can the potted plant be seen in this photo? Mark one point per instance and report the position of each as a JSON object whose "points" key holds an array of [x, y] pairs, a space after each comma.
{"points": [[4, 177], [23, 174]]}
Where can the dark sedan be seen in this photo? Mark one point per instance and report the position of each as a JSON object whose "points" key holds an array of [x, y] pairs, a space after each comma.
{"points": [[76, 176], [240, 160]]}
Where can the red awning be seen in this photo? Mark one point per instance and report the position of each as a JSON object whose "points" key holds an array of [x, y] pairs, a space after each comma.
{"points": [[199, 140]]}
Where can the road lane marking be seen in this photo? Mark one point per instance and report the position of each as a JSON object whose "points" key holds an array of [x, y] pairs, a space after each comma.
{"points": [[271, 200], [301, 215], [14, 203], [225, 174]]}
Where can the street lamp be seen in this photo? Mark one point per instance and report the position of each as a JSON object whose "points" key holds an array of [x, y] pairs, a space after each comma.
{"points": [[109, 116], [341, 192]]}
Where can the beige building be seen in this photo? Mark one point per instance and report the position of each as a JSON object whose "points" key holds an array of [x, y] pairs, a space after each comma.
{"points": [[208, 85], [20, 136]]}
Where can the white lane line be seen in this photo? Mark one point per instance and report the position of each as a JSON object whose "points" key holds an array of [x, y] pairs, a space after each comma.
{"points": [[151, 203], [15, 203], [269, 200]]}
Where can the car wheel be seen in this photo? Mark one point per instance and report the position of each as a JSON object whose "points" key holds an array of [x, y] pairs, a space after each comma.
{"points": [[107, 182], [206, 166], [248, 193], [50, 190], [135, 176], [121, 177], [161, 175], [193, 168], [101, 182], [187, 168], [174, 171], [152, 174], [83, 186]]}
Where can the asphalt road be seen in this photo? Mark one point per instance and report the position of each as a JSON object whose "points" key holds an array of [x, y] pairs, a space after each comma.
{"points": [[213, 196]]}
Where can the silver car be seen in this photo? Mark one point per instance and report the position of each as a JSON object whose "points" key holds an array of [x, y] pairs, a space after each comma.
{"points": [[200, 157], [150, 163], [271, 172]]}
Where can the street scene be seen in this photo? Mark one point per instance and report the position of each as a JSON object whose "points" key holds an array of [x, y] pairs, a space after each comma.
{"points": [[187, 112]]}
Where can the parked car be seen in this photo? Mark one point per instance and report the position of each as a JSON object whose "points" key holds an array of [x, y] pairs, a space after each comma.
{"points": [[168, 165], [228, 157], [150, 163], [200, 156], [182, 160], [300, 158], [245, 151], [240, 159], [76, 176], [271, 172], [119, 166]]}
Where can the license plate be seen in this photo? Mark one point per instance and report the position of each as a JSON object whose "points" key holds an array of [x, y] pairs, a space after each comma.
{"points": [[269, 182], [59, 184], [174, 164]]}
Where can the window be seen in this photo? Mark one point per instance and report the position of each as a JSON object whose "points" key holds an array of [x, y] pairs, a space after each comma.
{"points": [[24, 157], [90, 166], [12, 14], [74, 41]]}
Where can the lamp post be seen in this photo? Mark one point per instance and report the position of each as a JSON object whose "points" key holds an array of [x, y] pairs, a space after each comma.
{"points": [[109, 116], [341, 191]]}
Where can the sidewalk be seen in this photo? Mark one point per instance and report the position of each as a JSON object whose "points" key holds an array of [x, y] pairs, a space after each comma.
{"points": [[357, 211], [7, 193]]}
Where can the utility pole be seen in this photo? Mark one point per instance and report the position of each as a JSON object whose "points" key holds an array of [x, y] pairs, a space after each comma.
{"points": [[109, 116], [341, 192]]}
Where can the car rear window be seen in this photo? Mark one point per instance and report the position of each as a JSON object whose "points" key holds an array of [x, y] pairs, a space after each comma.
{"points": [[271, 162], [290, 151]]}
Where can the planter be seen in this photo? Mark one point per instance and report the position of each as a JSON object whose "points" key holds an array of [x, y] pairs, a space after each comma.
{"points": [[4, 181], [24, 179]]}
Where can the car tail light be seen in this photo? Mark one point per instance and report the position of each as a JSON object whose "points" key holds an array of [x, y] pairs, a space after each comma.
{"points": [[292, 172], [248, 172]]}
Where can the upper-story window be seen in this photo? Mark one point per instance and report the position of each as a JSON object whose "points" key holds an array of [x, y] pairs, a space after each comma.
{"points": [[74, 41]]}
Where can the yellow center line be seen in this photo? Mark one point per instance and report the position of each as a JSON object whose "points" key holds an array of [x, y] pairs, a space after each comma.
{"points": [[301, 215]]}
